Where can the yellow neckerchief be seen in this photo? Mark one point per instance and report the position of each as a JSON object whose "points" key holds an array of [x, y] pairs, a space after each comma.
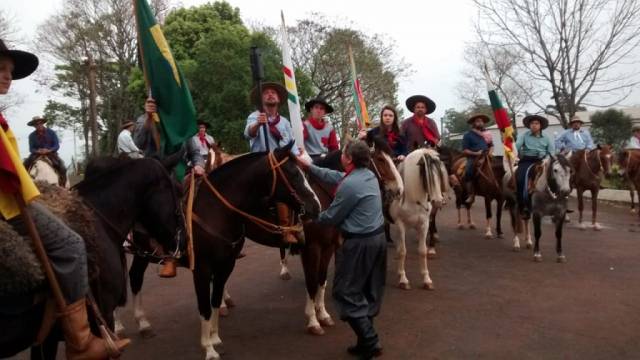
{"points": [[8, 205]]}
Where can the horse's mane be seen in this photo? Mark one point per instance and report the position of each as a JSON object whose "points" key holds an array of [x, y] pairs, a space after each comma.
{"points": [[101, 171], [424, 176], [230, 166], [331, 161], [380, 144]]}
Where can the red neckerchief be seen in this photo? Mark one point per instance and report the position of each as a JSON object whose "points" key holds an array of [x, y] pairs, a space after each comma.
{"points": [[317, 124], [203, 139], [9, 180], [346, 173], [392, 138], [273, 129], [426, 131]]}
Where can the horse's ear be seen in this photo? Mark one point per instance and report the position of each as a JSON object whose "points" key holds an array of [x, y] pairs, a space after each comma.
{"points": [[284, 151], [172, 160], [598, 147]]}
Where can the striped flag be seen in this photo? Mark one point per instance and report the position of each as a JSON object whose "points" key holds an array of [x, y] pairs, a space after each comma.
{"points": [[503, 122], [292, 91], [362, 116]]}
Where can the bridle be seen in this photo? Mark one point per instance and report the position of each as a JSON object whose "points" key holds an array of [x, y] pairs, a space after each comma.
{"points": [[551, 180], [491, 179], [600, 165], [277, 174]]}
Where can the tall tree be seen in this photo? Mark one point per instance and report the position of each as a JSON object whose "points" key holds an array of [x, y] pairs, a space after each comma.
{"points": [[572, 49], [611, 126]]}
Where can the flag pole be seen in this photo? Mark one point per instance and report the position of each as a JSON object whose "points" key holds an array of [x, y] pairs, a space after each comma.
{"points": [[151, 118]]}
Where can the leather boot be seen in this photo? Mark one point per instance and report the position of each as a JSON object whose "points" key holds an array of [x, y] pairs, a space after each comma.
{"points": [[471, 194], [169, 268], [284, 219], [81, 344]]}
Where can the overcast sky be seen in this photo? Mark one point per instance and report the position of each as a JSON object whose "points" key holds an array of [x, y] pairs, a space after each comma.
{"points": [[429, 35]]}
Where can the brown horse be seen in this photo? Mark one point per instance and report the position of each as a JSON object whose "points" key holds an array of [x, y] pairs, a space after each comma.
{"points": [[590, 167], [630, 165]]}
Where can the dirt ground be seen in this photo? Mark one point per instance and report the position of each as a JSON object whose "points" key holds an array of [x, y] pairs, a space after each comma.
{"points": [[489, 302]]}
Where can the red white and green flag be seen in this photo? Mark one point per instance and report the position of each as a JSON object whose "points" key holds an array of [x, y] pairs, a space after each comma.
{"points": [[503, 122], [362, 116], [292, 91]]}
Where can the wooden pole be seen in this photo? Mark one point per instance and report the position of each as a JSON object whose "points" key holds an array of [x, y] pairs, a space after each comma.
{"points": [[93, 107], [41, 253]]}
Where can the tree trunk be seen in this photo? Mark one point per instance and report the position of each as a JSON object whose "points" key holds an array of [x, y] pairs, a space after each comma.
{"points": [[93, 109]]}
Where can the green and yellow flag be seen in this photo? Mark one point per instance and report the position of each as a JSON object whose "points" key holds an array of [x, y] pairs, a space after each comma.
{"points": [[166, 83]]}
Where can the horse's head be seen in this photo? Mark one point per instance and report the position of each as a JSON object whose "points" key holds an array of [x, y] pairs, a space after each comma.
{"points": [[606, 158], [388, 176], [425, 177], [558, 176], [291, 186]]}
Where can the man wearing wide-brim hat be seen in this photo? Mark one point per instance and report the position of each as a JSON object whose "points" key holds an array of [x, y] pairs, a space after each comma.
{"points": [[279, 134], [319, 135], [634, 141], [532, 146], [126, 147], [574, 138], [44, 142], [201, 141], [419, 129], [474, 143], [65, 249]]}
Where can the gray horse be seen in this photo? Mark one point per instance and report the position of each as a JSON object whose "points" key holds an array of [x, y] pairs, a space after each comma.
{"points": [[549, 198]]}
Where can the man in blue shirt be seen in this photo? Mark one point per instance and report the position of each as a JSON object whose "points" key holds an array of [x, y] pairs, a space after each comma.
{"points": [[360, 266], [574, 138], [44, 142], [474, 144]]}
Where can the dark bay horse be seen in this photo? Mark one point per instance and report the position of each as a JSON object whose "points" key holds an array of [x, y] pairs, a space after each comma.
{"points": [[629, 161], [232, 197], [590, 167], [121, 193]]}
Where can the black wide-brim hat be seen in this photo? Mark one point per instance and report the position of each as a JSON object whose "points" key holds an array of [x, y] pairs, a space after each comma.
{"points": [[282, 92], [484, 118], [24, 63], [328, 108], [413, 100], [37, 119], [544, 123]]}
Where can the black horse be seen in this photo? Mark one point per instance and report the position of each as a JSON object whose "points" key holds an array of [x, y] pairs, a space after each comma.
{"points": [[120, 192], [245, 186]]}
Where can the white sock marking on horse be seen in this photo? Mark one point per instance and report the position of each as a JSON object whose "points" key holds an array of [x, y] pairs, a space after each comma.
{"points": [[310, 312], [284, 270], [118, 326], [215, 330], [139, 314], [422, 250], [206, 340], [320, 308], [401, 254]]}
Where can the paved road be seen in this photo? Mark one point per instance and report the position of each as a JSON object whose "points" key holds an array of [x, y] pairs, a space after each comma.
{"points": [[489, 303]]}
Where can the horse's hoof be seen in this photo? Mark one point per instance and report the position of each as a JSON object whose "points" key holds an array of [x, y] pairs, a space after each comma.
{"points": [[315, 330], [500, 236], [224, 311], [404, 286], [432, 255], [436, 237], [230, 303], [537, 258], [582, 226], [529, 245], [516, 248], [460, 227], [327, 322], [488, 236], [285, 276], [561, 259], [472, 226], [428, 286], [597, 227], [147, 333]]}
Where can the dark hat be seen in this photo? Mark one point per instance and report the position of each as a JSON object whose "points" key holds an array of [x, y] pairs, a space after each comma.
{"points": [[24, 63], [635, 127], [543, 121], [575, 118], [328, 108], [36, 119], [282, 92], [204, 123], [413, 100], [484, 118], [127, 124]]}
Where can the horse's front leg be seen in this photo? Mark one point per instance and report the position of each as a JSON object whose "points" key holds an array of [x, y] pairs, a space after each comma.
{"points": [[310, 264], [284, 269], [136, 279], [321, 311], [470, 222], [527, 234], [499, 205], [559, 222], [427, 284], [460, 224], [580, 196], [594, 210], [537, 232], [202, 276], [487, 209], [401, 255]]}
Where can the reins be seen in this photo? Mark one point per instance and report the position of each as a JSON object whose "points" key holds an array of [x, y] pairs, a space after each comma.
{"points": [[586, 161]]}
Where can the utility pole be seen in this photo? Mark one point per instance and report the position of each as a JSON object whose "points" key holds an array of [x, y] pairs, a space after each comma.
{"points": [[93, 107]]}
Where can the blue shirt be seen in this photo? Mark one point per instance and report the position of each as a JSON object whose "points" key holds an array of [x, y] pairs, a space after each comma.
{"points": [[357, 207], [575, 140], [535, 146], [256, 144], [474, 142], [48, 141]]}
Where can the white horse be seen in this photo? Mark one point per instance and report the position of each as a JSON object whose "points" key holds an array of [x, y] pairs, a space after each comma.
{"points": [[425, 186], [42, 170]]}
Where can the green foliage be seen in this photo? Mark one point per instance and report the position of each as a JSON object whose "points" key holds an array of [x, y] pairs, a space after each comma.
{"points": [[61, 115], [456, 121], [611, 127]]}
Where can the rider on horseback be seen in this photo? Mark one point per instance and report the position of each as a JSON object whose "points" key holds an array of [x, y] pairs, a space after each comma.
{"points": [[279, 134], [634, 140], [44, 142], [575, 138], [532, 146], [65, 249], [319, 136], [419, 129], [474, 143]]}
